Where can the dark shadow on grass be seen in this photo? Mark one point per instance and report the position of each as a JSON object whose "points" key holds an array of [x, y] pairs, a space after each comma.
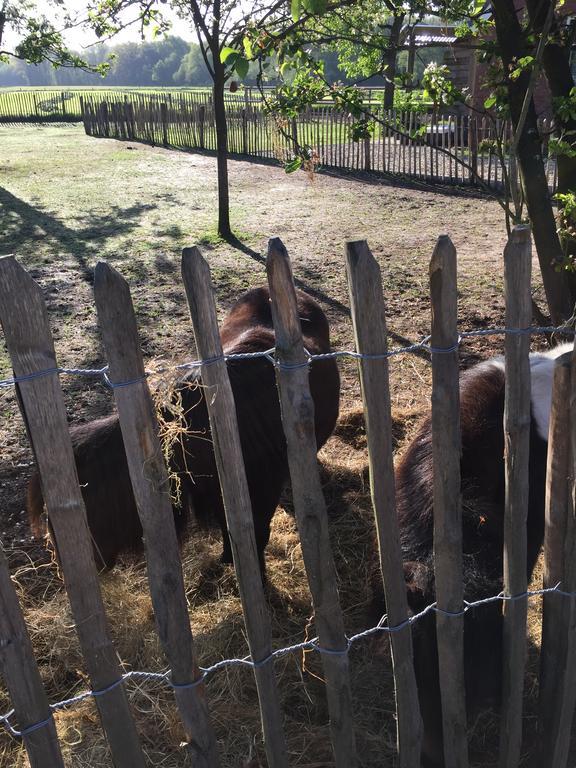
{"points": [[373, 177], [21, 221], [319, 295]]}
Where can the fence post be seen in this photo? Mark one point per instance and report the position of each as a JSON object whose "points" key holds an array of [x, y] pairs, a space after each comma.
{"points": [[30, 345], [558, 654], [130, 121], [236, 498], [105, 119], [369, 320], [473, 145], [151, 487], [517, 267], [244, 133], [367, 159], [84, 116], [201, 122], [23, 681], [164, 121], [298, 422], [63, 100], [294, 131], [446, 450]]}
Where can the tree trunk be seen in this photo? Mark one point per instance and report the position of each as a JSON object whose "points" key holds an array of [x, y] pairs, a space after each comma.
{"points": [[556, 63], [224, 229], [511, 43], [390, 56]]}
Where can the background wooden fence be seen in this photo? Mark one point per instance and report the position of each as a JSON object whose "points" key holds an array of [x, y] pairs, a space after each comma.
{"points": [[436, 147], [25, 322], [56, 105]]}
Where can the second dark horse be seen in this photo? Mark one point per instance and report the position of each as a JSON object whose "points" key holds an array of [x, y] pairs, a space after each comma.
{"points": [[101, 460]]}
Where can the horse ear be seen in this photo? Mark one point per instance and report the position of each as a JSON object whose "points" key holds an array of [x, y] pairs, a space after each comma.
{"points": [[419, 580]]}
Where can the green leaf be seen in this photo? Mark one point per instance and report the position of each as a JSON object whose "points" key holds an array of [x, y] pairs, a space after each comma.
{"points": [[247, 47], [241, 66], [295, 9], [490, 102], [293, 165], [226, 53], [316, 7]]}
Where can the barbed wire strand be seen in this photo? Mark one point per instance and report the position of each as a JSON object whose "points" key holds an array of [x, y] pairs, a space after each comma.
{"points": [[307, 645], [422, 345]]}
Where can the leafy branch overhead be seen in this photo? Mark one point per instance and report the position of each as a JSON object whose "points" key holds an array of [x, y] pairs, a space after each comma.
{"points": [[40, 39]]}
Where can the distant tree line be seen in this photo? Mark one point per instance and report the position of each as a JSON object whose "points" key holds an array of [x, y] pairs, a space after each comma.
{"points": [[170, 61]]}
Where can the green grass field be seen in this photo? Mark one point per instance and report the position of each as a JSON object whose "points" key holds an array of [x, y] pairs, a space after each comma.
{"points": [[58, 104], [63, 104]]}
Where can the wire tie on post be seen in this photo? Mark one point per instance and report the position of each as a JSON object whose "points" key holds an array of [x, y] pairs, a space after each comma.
{"points": [[211, 360], [187, 686], [121, 384], [31, 728], [333, 651], [443, 350], [263, 662], [108, 688]]}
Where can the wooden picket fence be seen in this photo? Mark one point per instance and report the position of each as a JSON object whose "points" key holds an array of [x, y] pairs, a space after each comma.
{"points": [[28, 337], [436, 147], [62, 105]]}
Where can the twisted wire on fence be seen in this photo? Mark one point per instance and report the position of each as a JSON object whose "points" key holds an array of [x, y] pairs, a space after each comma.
{"points": [[307, 645], [418, 346]]}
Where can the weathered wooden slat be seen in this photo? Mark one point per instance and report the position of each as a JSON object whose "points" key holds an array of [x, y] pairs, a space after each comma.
{"points": [[29, 341], [237, 506], [446, 450], [567, 694], [558, 654], [151, 487], [369, 321], [20, 672], [298, 422], [517, 269]]}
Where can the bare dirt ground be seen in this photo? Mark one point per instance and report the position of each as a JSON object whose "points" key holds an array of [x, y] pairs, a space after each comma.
{"points": [[67, 201]]}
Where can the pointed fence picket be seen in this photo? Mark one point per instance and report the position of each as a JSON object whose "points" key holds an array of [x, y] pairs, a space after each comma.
{"points": [[20, 671], [151, 486], [369, 320], [298, 422], [447, 504], [237, 505], [558, 655], [29, 340], [517, 271]]}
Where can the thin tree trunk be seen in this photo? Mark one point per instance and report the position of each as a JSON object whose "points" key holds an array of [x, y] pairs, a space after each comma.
{"points": [[390, 57], [224, 228], [556, 64], [512, 46]]}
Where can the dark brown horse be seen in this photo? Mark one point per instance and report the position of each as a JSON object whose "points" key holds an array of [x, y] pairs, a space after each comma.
{"points": [[483, 497], [101, 460]]}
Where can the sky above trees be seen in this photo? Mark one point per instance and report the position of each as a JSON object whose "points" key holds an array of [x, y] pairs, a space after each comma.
{"points": [[79, 38]]}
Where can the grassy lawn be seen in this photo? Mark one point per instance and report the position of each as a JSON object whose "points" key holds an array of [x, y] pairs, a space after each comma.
{"points": [[68, 201]]}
